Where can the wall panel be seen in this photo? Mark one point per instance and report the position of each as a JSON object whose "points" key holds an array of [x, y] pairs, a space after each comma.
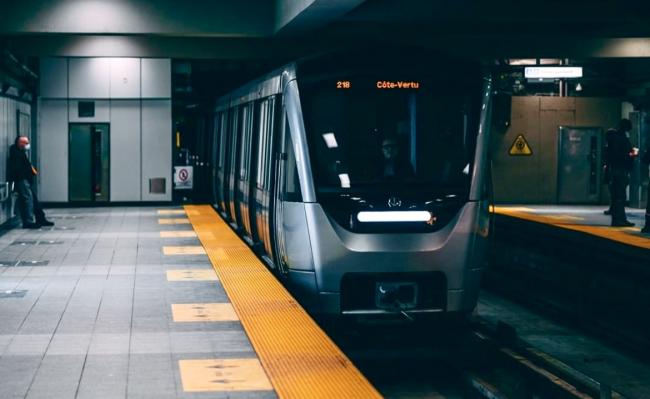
{"points": [[125, 78], [125, 150], [89, 77], [54, 78], [156, 78], [53, 150], [156, 147]]}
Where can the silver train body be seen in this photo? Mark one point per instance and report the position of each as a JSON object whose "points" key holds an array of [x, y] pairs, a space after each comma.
{"points": [[264, 186]]}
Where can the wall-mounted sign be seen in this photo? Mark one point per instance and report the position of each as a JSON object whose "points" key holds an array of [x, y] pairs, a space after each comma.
{"points": [[183, 177], [520, 147], [561, 72]]}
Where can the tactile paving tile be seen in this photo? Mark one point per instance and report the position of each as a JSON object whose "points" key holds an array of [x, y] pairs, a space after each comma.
{"points": [[174, 221], [202, 312], [299, 358], [192, 275], [27, 263], [211, 375], [12, 294], [184, 250], [177, 233], [171, 211]]}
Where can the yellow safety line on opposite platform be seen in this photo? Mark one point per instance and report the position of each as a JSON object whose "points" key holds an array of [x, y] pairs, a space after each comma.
{"points": [[299, 358], [623, 235]]}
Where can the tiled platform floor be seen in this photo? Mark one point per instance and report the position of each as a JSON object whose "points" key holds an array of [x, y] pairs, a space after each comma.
{"points": [[96, 321]]}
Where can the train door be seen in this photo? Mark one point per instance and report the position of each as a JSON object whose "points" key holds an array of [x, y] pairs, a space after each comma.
{"points": [[232, 166], [244, 170], [265, 173], [214, 159], [88, 173], [221, 161], [579, 165]]}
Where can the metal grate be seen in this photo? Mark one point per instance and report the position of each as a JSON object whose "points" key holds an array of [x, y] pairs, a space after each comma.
{"points": [[28, 263], [12, 294]]}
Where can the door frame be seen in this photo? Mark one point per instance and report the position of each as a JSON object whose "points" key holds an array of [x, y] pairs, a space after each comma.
{"points": [[598, 162], [90, 124]]}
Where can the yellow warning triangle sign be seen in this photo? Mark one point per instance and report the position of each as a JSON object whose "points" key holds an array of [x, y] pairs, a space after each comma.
{"points": [[520, 147]]}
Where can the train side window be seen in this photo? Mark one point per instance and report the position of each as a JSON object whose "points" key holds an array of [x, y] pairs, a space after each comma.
{"points": [[291, 183]]}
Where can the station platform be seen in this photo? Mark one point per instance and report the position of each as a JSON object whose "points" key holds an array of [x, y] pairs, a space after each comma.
{"points": [[155, 303], [589, 220]]}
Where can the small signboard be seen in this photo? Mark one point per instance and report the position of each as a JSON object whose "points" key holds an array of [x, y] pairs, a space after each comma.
{"points": [[183, 177], [520, 147]]}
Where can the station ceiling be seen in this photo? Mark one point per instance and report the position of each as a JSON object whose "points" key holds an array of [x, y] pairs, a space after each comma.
{"points": [[260, 29]]}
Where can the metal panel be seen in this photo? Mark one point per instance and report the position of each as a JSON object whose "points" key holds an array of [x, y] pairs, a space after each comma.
{"points": [[125, 150], [125, 78], [156, 147], [54, 78], [102, 112], [579, 165], [53, 154], [156, 78], [80, 175], [89, 77]]}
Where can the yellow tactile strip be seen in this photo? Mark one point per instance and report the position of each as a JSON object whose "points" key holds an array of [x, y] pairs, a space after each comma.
{"points": [[625, 235], [299, 358]]}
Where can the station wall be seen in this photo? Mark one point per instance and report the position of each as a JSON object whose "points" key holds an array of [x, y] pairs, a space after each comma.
{"points": [[533, 179], [133, 95]]}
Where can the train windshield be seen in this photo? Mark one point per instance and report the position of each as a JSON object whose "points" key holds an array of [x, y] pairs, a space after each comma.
{"points": [[372, 131]]}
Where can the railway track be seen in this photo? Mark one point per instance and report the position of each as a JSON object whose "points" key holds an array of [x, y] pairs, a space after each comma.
{"points": [[474, 360]]}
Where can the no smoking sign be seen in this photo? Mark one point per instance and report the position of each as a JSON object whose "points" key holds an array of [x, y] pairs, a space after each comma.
{"points": [[183, 177]]}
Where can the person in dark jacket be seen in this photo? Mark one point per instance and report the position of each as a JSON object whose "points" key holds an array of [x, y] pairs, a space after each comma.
{"points": [[21, 173], [619, 159], [394, 166]]}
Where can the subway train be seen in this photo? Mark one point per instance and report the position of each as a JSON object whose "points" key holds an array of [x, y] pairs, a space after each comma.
{"points": [[361, 179]]}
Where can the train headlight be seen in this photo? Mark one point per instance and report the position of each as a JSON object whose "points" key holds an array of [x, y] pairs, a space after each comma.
{"points": [[393, 216]]}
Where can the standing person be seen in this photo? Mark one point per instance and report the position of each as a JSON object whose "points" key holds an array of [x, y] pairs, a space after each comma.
{"points": [[21, 172], [620, 159], [646, 160]]}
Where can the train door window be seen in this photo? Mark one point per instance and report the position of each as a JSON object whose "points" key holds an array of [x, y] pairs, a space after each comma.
{"points": [[291, 183], [265, 165], [245, 152], [263, 143], [223, 124]]}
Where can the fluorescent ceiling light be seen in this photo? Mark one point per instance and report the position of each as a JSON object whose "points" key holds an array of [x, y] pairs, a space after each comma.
{"points": [[330, 140], [394, 216], [552, 72], [345, 180]]}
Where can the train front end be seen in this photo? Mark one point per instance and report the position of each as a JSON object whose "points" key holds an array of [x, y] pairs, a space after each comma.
{"points": [[398, 168]]}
